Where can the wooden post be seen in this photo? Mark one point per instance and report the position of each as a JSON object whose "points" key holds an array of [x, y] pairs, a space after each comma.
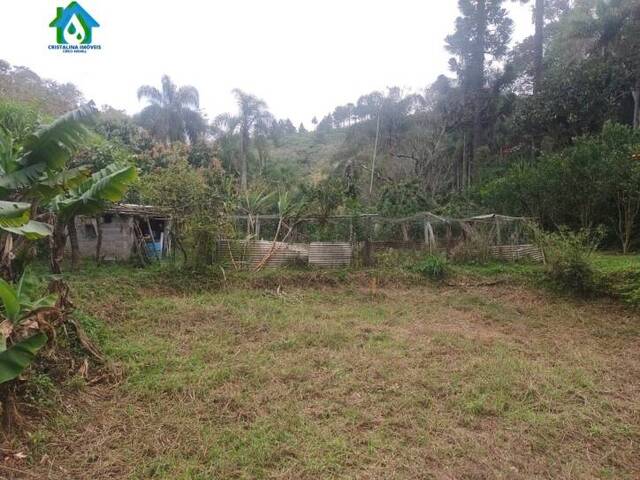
{"points": [[498, 231], [257, 227], [351, 230], [367, 260], [405, 232], [427, 243], [429, 237], [99, 240]]}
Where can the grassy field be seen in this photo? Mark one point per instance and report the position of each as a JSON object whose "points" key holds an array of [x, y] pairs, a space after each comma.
{"points": [[345, 376]]}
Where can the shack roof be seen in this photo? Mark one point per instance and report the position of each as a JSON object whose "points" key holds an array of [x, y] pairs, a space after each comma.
{"points": [[131, 209]]}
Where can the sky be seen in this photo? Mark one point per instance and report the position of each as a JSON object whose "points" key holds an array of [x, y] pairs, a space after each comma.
{"points": [[302, 57]]}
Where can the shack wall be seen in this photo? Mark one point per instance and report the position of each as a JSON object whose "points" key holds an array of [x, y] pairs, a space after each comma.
{"points": [[117, 237]]}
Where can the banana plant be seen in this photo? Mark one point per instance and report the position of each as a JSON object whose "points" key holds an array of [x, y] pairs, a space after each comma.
{"points": [[35, 170], [90, 197], [19, 308]]}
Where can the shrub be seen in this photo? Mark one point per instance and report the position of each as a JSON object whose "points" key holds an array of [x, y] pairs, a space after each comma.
{"points": [[568, 259], [434, 267]]}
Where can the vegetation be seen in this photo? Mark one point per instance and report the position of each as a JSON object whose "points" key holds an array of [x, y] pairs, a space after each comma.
{"points": [[385, 371], [433, 267], [355, 379], [40, 197]]}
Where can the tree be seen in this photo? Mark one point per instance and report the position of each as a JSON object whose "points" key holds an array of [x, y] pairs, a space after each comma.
{"points": [[195, 196], [482, 29], [32, 172], [172, 114], [301, 128], [20, 84], [615, 27], [621, 154], [252, 117]]}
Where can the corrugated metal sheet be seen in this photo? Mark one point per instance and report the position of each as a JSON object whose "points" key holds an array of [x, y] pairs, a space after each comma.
{"points": [[282, 253], [517, 252], [251, 253], [324, 254]]}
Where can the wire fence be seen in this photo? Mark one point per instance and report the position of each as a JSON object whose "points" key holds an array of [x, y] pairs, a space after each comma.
{"points": [[269, 240]]}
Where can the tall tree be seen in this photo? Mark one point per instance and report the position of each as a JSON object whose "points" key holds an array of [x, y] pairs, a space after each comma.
{"points": [[252, 117], [482, 29], [615, 26], [173, 112]]}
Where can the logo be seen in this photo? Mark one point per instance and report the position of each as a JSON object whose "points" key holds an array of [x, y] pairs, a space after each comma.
{"points": [[74, 29]]}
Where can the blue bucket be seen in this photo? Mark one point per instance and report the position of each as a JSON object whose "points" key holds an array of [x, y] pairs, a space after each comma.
{"points": [[154, 248]]}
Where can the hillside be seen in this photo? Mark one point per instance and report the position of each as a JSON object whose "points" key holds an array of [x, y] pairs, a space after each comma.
{"points": [[307, 154]]}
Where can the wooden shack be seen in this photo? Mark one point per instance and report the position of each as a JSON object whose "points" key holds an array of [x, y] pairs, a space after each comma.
{"points": [[125, 230]]}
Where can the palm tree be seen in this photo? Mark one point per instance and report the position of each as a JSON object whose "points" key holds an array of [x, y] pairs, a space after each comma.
{"points": [[252, 117], [173, 113]]}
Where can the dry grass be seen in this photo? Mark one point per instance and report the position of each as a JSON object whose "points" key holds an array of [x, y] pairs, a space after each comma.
{"points": [[405, 383]]}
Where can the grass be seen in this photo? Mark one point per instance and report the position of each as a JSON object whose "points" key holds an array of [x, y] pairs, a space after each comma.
{"points": [[611, 262], [341, 376]]}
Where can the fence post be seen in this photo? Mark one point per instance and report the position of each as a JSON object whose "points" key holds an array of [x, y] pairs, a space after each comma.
{"points": [[367, 260], [426, 235]]}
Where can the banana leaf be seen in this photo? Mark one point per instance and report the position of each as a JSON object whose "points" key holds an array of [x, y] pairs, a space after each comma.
{"points": [[16, 358]]}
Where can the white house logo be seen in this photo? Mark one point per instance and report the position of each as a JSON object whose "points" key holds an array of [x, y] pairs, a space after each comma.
{"points": [[74, 29]]}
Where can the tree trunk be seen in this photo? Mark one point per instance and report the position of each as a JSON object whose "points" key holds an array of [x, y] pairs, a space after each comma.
{"points": [[538, 46], [477, 79], [375, 152], [243, 161], [636, 104], [73, 239], [57, 243], [11, 418]]}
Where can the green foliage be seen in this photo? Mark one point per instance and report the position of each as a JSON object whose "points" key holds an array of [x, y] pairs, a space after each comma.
{"points": [[402, 199], [22, 85], [568, 259], [94, 194], [173, 112], [28, 169], [434, 267], [19, 356], [195, 196], [325, 197], [18, 120], [595, 181], [19, 303]]}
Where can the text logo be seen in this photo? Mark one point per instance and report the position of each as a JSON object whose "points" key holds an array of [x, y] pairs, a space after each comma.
{"points": [[74, 29]]}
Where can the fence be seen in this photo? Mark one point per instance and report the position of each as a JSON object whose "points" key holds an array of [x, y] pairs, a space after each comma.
{"points": [[340, 240]]}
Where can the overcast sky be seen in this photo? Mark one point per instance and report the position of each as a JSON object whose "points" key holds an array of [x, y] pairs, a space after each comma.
{"points": [[303, 57]]}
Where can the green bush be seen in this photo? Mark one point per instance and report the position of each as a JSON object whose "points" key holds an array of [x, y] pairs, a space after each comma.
{"points": [[569, 266], [433, 267]]}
